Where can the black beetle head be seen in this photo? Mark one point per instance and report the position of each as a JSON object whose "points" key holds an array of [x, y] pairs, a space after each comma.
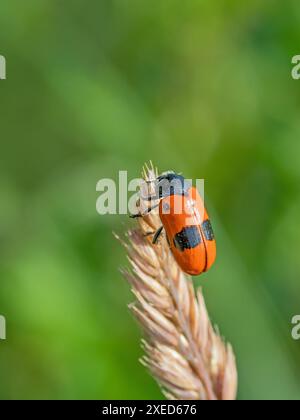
{"points": [[171, 183]]}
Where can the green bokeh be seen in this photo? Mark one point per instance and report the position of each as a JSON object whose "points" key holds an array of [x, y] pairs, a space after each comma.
{"points": [[201, 87]]}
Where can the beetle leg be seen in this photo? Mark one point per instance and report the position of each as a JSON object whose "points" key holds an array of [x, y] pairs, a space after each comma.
{"points": [[149, 234], [157, 235], [135, 216]]}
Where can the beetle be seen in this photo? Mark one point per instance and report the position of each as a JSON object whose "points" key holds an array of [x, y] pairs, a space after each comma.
{"points": [[186, 223]]}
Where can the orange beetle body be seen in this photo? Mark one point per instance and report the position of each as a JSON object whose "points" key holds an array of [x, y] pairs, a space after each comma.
{"points": [[186, 223], [189, 231]]}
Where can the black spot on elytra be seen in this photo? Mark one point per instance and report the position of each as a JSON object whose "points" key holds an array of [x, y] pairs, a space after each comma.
{"points": [[188, 238], [208, 230]]}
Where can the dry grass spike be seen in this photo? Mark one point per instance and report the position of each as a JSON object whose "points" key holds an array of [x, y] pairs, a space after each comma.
{"points": [[183, 352]]}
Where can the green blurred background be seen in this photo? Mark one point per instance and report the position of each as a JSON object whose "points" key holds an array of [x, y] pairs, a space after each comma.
{"points": [[201, 87]]}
